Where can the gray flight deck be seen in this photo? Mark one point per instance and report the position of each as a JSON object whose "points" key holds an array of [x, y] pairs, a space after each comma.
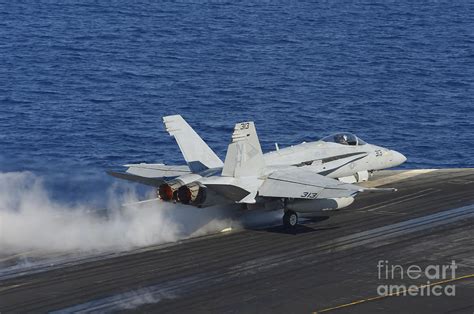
{"points": [[327, 265]]}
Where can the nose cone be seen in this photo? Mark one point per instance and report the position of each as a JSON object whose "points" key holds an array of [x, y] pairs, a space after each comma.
{"points": [[397, 158]]}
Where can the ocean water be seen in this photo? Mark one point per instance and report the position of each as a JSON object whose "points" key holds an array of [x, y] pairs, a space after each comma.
{"points": [[84, 84]]}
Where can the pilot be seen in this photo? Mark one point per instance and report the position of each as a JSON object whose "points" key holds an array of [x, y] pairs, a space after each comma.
{"points": [[341, 139]]}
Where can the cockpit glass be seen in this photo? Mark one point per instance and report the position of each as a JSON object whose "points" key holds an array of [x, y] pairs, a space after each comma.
{"points": [[360, 141], [344, 139]]}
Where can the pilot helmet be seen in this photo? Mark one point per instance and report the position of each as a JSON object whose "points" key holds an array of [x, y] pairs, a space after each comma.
{"points": [[341, 138]]}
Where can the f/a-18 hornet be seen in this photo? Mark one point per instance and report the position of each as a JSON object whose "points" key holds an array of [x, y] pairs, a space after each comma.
{"points": [[304, 178]]}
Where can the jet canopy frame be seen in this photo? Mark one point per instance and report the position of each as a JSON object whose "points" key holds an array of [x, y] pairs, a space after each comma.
{"points": [[344, 138]]}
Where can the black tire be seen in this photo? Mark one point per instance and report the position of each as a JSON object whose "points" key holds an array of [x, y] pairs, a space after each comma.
{"points": [[290, 219]]}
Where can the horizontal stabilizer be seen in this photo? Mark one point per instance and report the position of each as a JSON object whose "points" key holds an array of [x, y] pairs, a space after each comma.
{"points": [[134, 178], [239, 190], [157, 170], [231, 192], [150, 174], [249, 199]]}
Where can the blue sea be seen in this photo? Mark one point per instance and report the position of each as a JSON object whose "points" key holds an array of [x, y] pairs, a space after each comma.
{"points": [[84, 84]]}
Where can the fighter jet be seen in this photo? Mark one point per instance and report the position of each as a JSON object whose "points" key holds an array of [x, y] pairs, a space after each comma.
{"points": [[304, 178]]}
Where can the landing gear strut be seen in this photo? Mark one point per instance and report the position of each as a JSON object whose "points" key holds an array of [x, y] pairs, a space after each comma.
{"points": [[290, 219]]}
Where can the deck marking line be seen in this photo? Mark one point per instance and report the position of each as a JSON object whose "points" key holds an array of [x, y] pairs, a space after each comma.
{"points": [[392, 294]]}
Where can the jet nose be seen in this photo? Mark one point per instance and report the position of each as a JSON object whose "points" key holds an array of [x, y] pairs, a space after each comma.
{"points": [[397, 158]]}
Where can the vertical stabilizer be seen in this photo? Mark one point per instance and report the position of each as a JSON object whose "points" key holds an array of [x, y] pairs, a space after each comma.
{"points": [[244, 155], [198, 155]]}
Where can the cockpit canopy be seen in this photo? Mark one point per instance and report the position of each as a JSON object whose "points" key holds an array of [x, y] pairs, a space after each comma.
{"points": [[344, 139]]}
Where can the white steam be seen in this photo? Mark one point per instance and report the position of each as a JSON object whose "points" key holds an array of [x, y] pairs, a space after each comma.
{"points": [[30, 220]]}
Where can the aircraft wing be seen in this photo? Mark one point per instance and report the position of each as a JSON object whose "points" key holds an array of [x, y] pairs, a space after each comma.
{"points": [[302, 183], [150, 174]]}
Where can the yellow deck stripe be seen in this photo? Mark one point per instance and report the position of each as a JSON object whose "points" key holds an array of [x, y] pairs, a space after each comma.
{"points": [[392, 294]]}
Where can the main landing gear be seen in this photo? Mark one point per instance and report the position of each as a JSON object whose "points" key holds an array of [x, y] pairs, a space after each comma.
{"points": [[290, 219]]}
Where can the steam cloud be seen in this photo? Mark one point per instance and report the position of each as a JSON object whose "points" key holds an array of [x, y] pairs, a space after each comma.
{"points": [[31, 220]]}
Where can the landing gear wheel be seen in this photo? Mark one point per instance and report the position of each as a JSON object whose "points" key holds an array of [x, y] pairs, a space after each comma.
{"points": [[290, 219]]}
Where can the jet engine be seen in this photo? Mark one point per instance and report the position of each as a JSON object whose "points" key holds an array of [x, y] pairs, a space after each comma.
{"points": [[168, 191], [192, 193], [199, 195]]}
